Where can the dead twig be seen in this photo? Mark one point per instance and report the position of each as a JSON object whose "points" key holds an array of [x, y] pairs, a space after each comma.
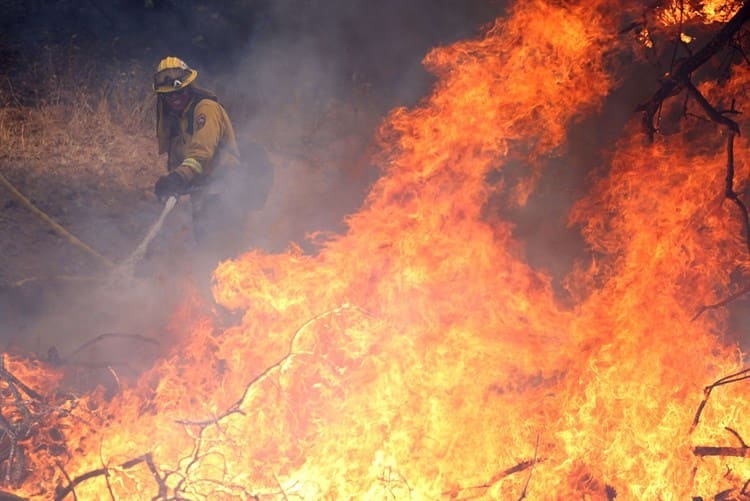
{"points": [[388, 480], [732, 378], [736, 435], [18, 418], [14, 381], [531, 470], [70, 483], [734, 197], [729, 187], [721, 303], [524, 465], [236, 406], [281, 488], [62, 492], [110, 335]]}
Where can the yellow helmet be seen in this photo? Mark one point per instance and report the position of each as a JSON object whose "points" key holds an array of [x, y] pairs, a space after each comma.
{"points": [[173, 74]]}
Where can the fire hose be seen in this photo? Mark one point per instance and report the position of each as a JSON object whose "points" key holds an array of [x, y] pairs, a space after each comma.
{"points": [[126, 266], [58, 229]]}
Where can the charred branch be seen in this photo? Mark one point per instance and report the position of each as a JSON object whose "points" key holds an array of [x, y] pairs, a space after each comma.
{"points": [[62, 492], [743, 451], [736, 435], [726, 495], [732, 378], [531, 470], [73, 360], [731, 195], [18, 417], [707, 450], [723, 302], [236, 406], [392, 480], [714, 114], [7, 496], [721, 451], [195, 458], [281, 489], [110, 335], [679, 78], [524, 465], [197, 454], [14, 382]]}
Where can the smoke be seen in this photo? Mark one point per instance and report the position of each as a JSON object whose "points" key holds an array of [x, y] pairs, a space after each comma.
{"points": [[551, 243], [306, 84], [313, 83]]}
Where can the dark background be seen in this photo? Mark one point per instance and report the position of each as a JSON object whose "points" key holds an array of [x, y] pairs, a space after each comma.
{"points": [[379, 42]]}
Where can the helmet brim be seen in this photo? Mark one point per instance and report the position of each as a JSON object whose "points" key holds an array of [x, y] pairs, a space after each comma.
{"points": [[163, 89]]}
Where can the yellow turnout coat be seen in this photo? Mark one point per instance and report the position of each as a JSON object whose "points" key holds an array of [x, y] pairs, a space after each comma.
{"points": [[200, 142]]}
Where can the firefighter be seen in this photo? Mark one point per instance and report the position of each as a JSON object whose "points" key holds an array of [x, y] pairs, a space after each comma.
{"points": [[203, 160], [195, 132]]}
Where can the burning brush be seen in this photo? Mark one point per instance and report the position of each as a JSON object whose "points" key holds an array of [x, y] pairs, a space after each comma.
{"points": [[420, 355]]}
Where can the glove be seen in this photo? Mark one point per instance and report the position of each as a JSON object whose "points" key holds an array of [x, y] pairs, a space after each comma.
{"points": [[172, 184]]}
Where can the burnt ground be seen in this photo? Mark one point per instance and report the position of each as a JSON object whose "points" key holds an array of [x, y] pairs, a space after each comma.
{"points": [[309, 81]]}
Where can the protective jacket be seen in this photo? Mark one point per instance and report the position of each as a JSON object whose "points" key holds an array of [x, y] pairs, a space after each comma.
{"points": [[200, 142]]}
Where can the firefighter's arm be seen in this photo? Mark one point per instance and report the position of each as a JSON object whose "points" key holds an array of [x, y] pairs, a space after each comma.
{"points": [[208, 129]]}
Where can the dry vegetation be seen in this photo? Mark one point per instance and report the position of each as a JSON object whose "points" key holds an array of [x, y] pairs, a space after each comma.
{"points": [[79, 119]]}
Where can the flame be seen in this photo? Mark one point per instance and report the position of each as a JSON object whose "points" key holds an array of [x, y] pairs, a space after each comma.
{"points": [[678, 12], [420, 356]]}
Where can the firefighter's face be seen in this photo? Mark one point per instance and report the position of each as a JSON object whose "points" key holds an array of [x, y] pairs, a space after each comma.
{"points": [[177, 100]]}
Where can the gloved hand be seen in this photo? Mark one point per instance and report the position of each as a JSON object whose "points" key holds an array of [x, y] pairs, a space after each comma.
{"points": [[169, 185]]}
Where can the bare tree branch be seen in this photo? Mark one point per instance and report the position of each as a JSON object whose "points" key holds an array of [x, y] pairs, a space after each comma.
{"points": [[679, 78]]}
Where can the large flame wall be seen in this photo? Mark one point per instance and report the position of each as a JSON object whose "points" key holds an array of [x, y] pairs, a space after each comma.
{"points": [[419, 356]]}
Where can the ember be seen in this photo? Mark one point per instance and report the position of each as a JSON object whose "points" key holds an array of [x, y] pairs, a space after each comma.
{"points": [[419, 355]]}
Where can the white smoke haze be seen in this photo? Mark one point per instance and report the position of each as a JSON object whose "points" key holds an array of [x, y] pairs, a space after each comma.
{"points": [[310, 83], [314, 83]]}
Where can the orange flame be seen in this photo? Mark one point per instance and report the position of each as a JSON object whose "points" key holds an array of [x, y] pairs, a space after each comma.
{"points": [[678, 12], [419, 356]]}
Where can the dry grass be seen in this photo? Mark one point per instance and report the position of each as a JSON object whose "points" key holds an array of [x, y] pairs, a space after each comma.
{"points": [[80, 133], [80, 119]]}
